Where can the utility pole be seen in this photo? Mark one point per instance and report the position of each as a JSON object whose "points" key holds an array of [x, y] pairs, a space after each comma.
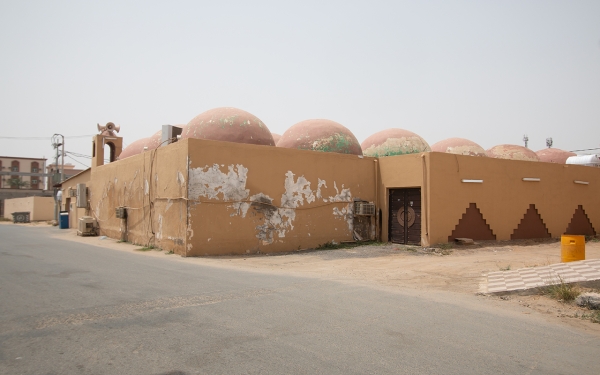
{"points": [[526, 140], [56, 143]]}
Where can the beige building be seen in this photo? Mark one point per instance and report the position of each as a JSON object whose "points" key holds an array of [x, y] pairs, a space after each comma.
{"points": [[21, 177], [200, 197], [22, 173]]}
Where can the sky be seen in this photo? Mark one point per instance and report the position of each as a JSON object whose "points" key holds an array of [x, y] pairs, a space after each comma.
{"points": [[489, 71]]}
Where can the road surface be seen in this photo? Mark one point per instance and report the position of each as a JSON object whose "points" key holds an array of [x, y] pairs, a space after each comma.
{"points": [[72, 308]]}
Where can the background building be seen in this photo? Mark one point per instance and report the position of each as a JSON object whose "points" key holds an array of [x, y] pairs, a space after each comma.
{"points": [[21, 177]]}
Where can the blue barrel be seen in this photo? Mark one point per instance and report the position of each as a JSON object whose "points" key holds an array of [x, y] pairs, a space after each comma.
{"points": [[63, 222]]}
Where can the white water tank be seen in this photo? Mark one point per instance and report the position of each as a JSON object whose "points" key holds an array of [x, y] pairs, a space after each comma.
{"points": [[589, 160]]}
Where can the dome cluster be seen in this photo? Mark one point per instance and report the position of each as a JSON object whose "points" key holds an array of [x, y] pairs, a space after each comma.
{"points": [[235, 125]]}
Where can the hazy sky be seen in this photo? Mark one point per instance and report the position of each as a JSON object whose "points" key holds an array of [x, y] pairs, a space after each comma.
{"points": [[489, 71]]}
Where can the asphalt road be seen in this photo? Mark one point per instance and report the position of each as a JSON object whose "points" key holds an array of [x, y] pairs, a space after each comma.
{"points": [[71, 308]]}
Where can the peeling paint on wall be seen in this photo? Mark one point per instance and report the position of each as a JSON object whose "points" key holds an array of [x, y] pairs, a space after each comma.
{"points": [[160, 225], [296, 192], [209, 182], [320, 184], [212, 183], [343, 196], [346, 214]]}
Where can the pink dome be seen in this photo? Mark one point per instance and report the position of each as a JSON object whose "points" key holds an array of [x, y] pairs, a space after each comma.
{"points": [[276, 137], [320, 135], [135, 148], [554, 155], [229, 125], [512, 152], [459, 146], [394, 141]]}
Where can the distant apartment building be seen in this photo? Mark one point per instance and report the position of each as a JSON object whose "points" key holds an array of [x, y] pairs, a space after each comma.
{"points": [[21, 177], [24, 170]]}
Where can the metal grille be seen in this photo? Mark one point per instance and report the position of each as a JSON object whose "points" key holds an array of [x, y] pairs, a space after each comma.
{"points": [[364, 208]]}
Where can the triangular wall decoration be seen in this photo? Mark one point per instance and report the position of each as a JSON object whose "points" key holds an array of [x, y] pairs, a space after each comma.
{"points": [[580, 223], [531, 226], [472, 225]]}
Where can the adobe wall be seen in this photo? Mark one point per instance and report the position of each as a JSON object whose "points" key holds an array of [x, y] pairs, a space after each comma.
{"points": [[43, 208], [70, 203], [18, 205], [503, 198], [153, 188], [250, 199]]}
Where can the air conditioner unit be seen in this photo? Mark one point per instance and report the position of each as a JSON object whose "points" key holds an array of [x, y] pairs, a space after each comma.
{"points": [[87, 226], [72, 193], [364, 208], [169, 134], [81, 196]]}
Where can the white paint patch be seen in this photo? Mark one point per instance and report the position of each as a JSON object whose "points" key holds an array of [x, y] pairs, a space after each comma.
{"points": [[346, 213], [209, 182], [296, 192], [343, 196], [146, 187], [319, 185], [169, 204], [190, 231], [180, 178], [160, 224]]}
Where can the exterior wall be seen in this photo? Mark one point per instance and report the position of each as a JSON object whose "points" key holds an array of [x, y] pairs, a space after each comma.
{"points": [[153, 188], [43, 208], [40, 208], [24, 165], [70, 203], [18, 205], [402, 171], [7, 194], [503, 197], [261, 199]]}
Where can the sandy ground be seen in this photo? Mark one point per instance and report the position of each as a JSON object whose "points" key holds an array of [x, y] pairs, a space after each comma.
{"points": [[458, 269]]}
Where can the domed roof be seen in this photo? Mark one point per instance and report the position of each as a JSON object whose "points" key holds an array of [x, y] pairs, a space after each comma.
{"points": [[230, 125], [459, 146], [276, 137], [135, 148], [320, 135], [554, 155], [394, 141], [512, 152]]}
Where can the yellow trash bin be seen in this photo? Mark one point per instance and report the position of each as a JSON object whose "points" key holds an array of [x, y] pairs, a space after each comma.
{"points": [[572, 248]]}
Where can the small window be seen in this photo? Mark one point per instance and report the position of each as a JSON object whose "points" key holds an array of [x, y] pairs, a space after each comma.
{"points": [[34, 182], [34, 170], [14, 169]]}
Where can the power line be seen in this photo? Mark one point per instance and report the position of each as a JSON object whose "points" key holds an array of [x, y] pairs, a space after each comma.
{"points": [[44, 138], [72, 158], [78, 155]]}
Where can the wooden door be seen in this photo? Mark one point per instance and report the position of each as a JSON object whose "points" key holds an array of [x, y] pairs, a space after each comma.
{"points": [[405, 216]]}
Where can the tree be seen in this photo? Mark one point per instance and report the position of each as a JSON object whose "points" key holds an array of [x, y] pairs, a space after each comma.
{"points": [[17, 183]]}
